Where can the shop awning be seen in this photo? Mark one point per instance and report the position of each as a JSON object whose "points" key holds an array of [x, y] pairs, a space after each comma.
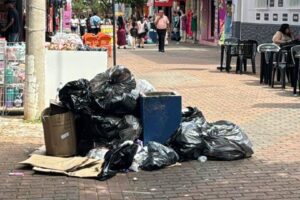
{"points": [[163, 3]]}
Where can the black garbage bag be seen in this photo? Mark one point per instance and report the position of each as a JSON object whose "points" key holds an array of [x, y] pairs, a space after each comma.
{"points": [[105, 128], [193, 114], [77, 97], [112, 90], [118, 159], [114, 130], [226, 141], [120, 104], [188, 140], [159, 156]]}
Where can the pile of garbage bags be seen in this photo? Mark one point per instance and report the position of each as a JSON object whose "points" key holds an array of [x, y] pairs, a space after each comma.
{"points": [[108, 127]]}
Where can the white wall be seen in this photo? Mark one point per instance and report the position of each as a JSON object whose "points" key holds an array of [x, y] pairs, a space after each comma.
{"points": [[249, 12], [65, 66]]}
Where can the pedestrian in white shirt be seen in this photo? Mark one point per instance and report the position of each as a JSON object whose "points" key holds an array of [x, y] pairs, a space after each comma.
{"points": [[74, 24]]}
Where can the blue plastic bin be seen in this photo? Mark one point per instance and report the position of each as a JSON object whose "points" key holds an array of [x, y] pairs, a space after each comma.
{"points": [[160, 115]]}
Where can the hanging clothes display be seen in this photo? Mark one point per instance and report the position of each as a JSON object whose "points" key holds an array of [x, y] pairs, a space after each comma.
{"points": [[189, 23], [222, 17], [50, 19]]}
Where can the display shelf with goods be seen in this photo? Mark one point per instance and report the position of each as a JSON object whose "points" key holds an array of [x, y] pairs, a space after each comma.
{"points": [[14, 77], [2, 69]]}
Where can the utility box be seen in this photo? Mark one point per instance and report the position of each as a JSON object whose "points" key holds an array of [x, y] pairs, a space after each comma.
{"points": [[160, 114]]}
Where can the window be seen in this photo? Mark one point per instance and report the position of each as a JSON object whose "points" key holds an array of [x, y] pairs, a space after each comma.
{"points": [[294, 4], [257, 16], [275, 17], [295, 17], [280, 3], [284, 17], [272, 3], [266, 16], [261, 4]]}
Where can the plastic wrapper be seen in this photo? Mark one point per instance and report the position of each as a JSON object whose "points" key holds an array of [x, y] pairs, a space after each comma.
{"points": [[158, 156], [226, 141], [142, 86], [112, 91], [97, 153], [64, 38], [77, 97], [118, 159]]}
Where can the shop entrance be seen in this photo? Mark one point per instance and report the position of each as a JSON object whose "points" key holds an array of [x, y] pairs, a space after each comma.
{"points": [[207, 11]]}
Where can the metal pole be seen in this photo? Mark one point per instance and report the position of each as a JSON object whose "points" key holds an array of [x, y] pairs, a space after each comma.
{"points": [[114, 34]]}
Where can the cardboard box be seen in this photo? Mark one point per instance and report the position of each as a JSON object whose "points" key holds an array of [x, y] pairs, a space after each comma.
{"points": [[59, 133]]}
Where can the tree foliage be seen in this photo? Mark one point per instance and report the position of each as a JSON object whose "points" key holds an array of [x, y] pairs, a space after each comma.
{"points": [[101, 6]]}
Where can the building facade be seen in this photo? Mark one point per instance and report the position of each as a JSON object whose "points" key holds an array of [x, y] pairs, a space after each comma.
{"points": [[260, 19]]}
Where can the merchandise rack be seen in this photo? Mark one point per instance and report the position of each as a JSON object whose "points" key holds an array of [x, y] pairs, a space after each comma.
{"points": [[13, 77]]}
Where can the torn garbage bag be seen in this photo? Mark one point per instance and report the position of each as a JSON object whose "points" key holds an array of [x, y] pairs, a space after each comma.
{"points": [[76, 96], [118, 159], [158, 156], [112, 90], [226, 141]]}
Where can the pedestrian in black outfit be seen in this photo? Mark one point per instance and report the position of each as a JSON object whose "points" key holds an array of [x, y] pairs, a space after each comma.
{"points": [[162, 24]]}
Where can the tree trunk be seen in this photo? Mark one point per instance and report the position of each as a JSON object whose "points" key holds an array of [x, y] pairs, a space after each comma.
{"points": [[35, 59]]}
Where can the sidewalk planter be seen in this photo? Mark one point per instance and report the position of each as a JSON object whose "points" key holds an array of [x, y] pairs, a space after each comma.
{"points": [[160, 115]]}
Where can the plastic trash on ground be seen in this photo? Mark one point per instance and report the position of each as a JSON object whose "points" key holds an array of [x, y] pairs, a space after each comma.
{"points": [[118, 159], [97, 153], [112, 90], [76, 96], [142, 86], [188, 140], [226, 141], [158, 156], [115, 130]]}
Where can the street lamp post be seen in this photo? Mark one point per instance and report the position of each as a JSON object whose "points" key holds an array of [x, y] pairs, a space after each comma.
{"points": [[114, 33]]}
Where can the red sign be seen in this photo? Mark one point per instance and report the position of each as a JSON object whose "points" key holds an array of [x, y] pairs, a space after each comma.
{"points": [[163, 3]]}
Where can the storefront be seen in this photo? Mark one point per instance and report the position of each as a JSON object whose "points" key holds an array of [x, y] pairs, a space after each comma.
{"points": [[210, 18], [58, 16]]}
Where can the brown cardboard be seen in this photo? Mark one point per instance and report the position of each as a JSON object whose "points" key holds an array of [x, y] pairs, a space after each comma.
{"points": [[74, 166], [59, 133]]}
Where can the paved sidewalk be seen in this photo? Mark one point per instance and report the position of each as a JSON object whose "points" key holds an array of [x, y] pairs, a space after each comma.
{"points": [[270, 117]]}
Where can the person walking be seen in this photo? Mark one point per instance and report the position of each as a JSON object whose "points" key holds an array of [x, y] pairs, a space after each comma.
{"points": [[162, 24], [95, 21], [74, 24], [12, 29], [82, 23], [134, 34], [142, 31], [176, 27], [88, 24], [121, 33]]}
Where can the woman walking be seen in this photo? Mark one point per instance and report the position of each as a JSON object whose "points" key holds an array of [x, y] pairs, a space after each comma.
{"points": [[121, 33], [142, 31]]}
